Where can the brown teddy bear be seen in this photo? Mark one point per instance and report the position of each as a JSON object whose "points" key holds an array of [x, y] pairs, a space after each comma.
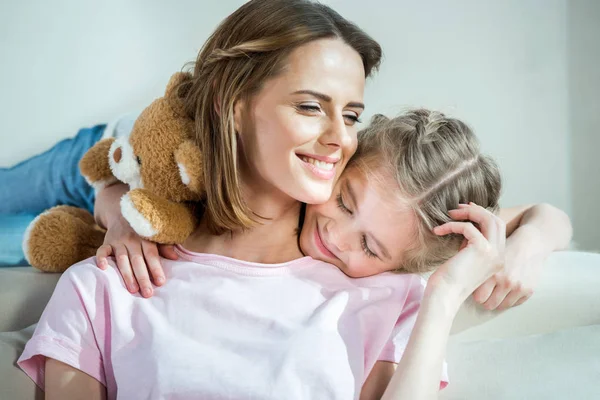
{"points": [[162, 165]]}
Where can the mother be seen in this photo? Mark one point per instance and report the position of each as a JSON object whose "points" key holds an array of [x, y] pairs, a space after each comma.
{"points": [[276, 92]]}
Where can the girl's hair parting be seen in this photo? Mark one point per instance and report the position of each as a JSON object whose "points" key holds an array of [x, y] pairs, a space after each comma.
{"points": [[437, 164]]}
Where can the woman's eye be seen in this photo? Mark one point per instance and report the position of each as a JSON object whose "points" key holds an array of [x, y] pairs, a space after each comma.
{"points": [[352, 119], [366, 249], [341, 205], [309, 107]]}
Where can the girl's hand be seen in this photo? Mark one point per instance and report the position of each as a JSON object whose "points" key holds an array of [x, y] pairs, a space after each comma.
{"points": [[525, 255], [135, 256], [480, 257]]}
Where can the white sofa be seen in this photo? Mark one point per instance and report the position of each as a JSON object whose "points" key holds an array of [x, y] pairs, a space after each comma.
{"points": [[547, 348]]}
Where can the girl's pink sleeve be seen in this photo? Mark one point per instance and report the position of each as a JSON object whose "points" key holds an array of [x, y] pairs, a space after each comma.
{"points": [[71, 326], [394, 349]]}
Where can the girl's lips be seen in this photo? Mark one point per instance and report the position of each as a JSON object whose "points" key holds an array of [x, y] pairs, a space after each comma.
{"points": [[320, 245], [318, 172]]}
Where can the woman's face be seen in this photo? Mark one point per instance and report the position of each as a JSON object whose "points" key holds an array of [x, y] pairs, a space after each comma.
{"points": [[364, 229], [298, 132]]}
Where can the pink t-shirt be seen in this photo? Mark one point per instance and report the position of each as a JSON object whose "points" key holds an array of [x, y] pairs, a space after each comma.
{"points": [[227, 329]]}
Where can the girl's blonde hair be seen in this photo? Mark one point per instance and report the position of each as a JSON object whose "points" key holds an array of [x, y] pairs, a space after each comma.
{"points": [[248, 48], [437, 164]]}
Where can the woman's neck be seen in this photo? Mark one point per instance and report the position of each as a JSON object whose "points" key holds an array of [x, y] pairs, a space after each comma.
{"points": [[272, 240]]}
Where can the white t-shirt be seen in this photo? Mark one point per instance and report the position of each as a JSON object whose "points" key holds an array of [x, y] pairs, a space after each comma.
{"points": [[227, 329]]}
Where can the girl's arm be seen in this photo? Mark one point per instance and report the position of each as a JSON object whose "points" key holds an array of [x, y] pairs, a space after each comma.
{"points": [[419, 371], [134, 255], [533, 233], [65, 382], [418, 374]]}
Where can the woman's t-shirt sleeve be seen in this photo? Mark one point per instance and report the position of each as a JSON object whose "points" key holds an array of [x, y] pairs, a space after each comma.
{"points": [[71, 326], [396, 345]]}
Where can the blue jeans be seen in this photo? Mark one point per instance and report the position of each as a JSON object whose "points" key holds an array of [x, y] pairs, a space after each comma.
{"points": [[39, 183]]}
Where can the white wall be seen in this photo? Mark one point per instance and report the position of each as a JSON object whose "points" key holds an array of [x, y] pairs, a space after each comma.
{"points": [[501, 66], [584, 84], [65, 64]]}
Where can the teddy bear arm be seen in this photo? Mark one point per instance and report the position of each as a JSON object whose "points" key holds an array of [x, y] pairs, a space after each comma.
{"points": [[156, 218], [189, 161], [94, 164]]}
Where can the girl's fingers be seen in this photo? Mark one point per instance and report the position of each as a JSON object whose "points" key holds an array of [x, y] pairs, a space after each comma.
{"points": [[521, 301], [466, 229], [102, 254], [168, 251], [140, 270], [510, 300], [483, 292], [484, 218], [497, 297], [125, 268], [150, 250]]}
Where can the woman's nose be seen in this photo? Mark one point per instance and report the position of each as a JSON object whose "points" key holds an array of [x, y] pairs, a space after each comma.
{"points": [[338, 135]]}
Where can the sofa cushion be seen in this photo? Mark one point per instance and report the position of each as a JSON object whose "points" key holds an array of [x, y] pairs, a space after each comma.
{"points": [[24, 292], [560, 365], [14, 384]]}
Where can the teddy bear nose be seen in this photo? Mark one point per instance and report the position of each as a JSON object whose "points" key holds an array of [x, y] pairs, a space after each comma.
{"points": [[117, 155]]}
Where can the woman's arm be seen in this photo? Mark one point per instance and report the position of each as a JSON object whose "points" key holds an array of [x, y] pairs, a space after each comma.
{"points": [[135, 256], [65, 382], [549, 223], [533, 233]]}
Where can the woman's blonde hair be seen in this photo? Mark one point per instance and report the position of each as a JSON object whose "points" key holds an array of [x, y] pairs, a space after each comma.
{"points": [[248, 48], [437, 164]]}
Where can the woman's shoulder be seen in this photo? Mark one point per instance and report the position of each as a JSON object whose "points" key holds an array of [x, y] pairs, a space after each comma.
{"points": [[88, 274]]}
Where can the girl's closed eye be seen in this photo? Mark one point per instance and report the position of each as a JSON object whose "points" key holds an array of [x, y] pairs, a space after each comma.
{"points": [[363, 240], [366, 249], [341, 205]]}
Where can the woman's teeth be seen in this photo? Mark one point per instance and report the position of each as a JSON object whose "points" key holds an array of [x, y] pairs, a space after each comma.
{"points": [[317, 163]]}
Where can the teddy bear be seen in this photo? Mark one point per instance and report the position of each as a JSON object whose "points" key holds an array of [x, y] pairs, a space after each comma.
{"points": [[161, 163]]}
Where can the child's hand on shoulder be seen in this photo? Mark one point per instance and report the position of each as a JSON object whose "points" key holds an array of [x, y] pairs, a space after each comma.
{"points": [[137, 258]]}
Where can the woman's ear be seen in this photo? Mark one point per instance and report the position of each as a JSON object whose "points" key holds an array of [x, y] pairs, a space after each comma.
{"points": [[238, 113]]}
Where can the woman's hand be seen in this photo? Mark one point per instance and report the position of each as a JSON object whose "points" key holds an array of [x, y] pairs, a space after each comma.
{"points": [[480, 257]]}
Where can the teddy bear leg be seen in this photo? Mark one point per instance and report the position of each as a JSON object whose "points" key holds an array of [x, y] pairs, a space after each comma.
{"points": [[80, 213], [156, 218], [61, 237]]}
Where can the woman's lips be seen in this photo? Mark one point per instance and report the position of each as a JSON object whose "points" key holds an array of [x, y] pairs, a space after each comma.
{"points": [[320, 245], [321, 169]]}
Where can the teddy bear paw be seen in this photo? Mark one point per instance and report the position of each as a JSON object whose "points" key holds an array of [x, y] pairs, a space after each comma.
{"points": [[142, 225]]}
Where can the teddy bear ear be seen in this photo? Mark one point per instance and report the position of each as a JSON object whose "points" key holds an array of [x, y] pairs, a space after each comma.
{"points": [[175, 82], [189, 161]]}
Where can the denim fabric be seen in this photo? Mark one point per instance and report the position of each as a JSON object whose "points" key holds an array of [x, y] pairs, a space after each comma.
{"points": [[39, 183]]}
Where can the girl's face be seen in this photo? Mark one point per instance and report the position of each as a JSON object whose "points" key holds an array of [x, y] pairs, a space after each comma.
{"points": [[364, 229], [298, 132]]}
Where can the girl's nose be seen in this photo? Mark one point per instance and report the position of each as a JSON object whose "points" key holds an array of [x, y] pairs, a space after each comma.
{"points": [[339, 239]]}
